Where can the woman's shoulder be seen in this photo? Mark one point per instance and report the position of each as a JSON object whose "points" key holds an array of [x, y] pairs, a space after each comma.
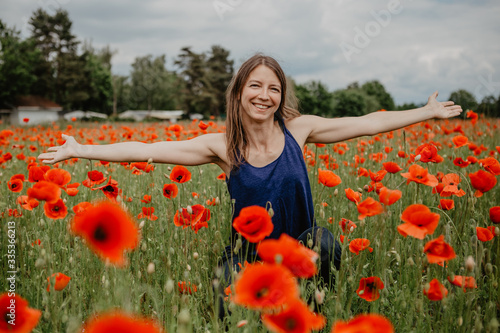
{"points": [[300, 127]]}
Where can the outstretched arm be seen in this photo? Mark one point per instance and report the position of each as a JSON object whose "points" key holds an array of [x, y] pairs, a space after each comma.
{"points": [[338, 129], [200, 150]]}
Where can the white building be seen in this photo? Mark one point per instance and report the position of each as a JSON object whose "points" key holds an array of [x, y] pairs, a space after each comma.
{"points": [[34, 109]]}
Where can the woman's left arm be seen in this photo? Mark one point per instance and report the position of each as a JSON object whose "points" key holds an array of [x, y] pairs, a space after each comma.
{"points": [[322, 130]]}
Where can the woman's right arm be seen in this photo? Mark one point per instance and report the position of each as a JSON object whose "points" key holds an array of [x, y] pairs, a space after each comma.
{"points": [[208, 148]]}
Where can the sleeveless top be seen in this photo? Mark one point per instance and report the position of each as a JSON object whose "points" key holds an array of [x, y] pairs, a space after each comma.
{"points": [[284, 183]]}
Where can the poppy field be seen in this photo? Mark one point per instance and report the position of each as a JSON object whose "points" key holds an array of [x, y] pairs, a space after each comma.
{"points": [[93, 246]]}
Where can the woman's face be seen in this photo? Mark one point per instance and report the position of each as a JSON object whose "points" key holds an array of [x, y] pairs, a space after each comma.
{"points": [[261, 95]]}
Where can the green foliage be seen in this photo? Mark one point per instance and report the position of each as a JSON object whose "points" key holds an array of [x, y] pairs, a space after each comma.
{"points": [[463, 98], [314, 99], [377, 90], [489, 106]]}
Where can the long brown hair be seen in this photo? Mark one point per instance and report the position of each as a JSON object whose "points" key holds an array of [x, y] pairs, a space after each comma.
{"points": [[236, 140]]}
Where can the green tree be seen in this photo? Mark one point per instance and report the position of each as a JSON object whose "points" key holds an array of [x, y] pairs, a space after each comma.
{"points": [[349, 103], [17, 60], [219, 73], [314, 98], [377, 90], [464, 98], [489, 106]]}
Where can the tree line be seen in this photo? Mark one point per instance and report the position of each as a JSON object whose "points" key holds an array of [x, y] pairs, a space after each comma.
{"points": [[54, 64]]}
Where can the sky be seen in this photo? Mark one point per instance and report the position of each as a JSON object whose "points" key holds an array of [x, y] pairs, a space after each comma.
{"points": [[413, 47]]}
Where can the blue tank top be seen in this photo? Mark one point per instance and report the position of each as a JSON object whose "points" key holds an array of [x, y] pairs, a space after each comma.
{"points": [[284, 183]]}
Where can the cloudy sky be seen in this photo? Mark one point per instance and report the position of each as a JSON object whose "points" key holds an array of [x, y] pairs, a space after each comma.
{"points": [[412, 47]]}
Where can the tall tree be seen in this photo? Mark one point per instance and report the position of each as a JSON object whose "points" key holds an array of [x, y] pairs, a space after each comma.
{"points": [[314, 98], [219, 74], [464, 98], [193, 73], [17, 60], [376, 89]]}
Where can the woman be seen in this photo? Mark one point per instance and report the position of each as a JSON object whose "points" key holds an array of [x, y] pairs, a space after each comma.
{"points": [[261, 151]]}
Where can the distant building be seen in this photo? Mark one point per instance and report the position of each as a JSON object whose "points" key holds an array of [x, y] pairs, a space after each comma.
{"points": [[34, 109], [139, 115]]}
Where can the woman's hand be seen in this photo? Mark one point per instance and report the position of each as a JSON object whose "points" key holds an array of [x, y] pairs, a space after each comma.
{"points": [[60, 153], [442, 110]]}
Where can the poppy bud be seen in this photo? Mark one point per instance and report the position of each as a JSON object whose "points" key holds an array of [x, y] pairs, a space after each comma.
{"points": [[151, 268], [195, 255], [469, 263], [141, 225], [237, 247], [460, 321], [169, 286], [271, 212], [319, 296], [278, 259], [310, 243], [150, 160], [189, 209], [488, 268], [336, 192]]}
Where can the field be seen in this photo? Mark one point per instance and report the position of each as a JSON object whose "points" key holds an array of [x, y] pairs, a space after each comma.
{"points": [[171, 269]]}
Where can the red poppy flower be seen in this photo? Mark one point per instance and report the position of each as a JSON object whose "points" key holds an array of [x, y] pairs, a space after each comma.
{"points": [[389, 197], [110, 190], [81, 207], [118, 321], [428, 153], [180, 174], [369, 288], [472, 116], [148, 212], [435, 291], [438, 251], [392, 167], [37, 173], [61, 281], [19, 176], [108, 231], [419, 221], [288, 252], [27, 203], [377, 176], [369, 207], [362, 172], [451, 182], [72, 189], [26, 120], [195, 216], [170, 191], [328, 178], [146, 198], [352, 195], [15, 185], [495, 214], [446, 204], [15, 315], [359, 244], [491, 165], [94, 178], [347, 226], [459, 162], [186, 287], [466, 282], [460, 141], [482, 181], [265, 287], [253, 223], [144, 166], [44, 191], [364, 323], [59, 177], [55, 210], [295, 318], [484, 234], [420, 175], [222, 176]]}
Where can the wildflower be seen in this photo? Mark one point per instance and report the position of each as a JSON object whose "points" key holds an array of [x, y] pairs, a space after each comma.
{"points": [[369, 288], [144, 166], [473, 116], [377, 176], [389, 197], [482, 181], [55, 210], [265, 287], [392, 167], [195, 217], [59, 177], [420, 175], [435, 291], [369, 207], [295, 318], [495, 214], [170, 191], [300, 260], [15, 185], [491, 165], [352, 195], [419, 221], [202, 125], [110, 190], [81, 207], [180, 174], [451, 182], [108, 230], [147, 212], [347, 226], [27, 203], [484, 234], [460, 141], [118, 321], [61, 281], [72, 189], [446, 204], [37, 173], [466, 282], [222, 176], [459, 162], [328, 178], [94, 178], [44, 191], [186, 287], [438, 251], [253, 223], [366, 323], [22, 319], [359, 244], [428, 153]]}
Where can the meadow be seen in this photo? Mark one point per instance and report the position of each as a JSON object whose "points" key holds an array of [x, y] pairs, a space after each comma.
{"points": [[396, 194]]}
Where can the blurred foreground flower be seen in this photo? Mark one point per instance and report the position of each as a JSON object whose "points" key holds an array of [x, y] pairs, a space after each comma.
{"points": [[118, 321], [366, 323], [15, 315], [253, 223], [295, 318]]}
